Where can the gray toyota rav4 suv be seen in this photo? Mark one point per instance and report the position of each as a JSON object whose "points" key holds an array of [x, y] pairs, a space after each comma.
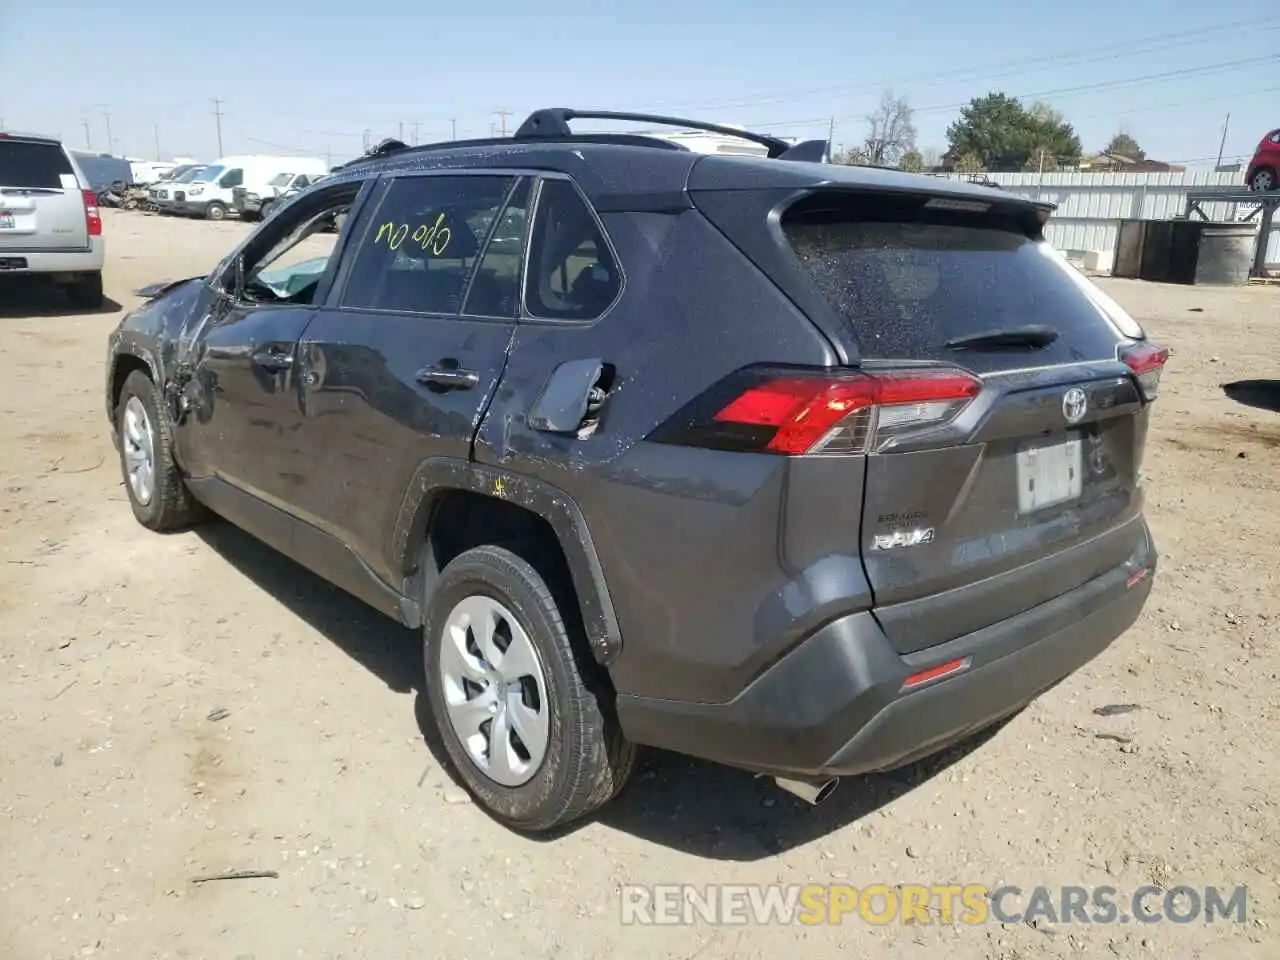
{"points": [[808, 469]]}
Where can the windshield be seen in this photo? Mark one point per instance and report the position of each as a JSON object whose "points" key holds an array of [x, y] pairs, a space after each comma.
{"points": [[209, 174], [189, 175], [280, 180]]}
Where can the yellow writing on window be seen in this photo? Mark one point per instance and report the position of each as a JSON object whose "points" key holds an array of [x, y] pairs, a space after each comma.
{"points": [[435, 237]]}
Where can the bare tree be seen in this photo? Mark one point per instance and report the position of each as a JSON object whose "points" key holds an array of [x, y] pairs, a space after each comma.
{"points": [[932, 157], [890, 131]]}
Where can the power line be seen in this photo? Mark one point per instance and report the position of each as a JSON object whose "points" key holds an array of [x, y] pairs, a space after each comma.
{"points": [[1112, 51], [1129, 81]]}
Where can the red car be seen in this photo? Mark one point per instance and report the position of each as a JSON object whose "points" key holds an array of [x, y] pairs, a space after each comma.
{"points": [[1264, 168]]}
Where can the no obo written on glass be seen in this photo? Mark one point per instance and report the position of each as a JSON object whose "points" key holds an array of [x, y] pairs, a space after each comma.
{"points": [[435, 237]]}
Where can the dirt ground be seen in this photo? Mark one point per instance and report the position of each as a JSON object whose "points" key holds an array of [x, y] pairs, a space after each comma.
{"points": [[120, 650]]}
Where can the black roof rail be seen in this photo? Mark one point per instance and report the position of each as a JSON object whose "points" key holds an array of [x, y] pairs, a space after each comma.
{"points": [[553, 123], [552, 126]]}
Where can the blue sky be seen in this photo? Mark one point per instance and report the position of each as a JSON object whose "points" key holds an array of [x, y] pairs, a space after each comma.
{"points": [[312, 77]]}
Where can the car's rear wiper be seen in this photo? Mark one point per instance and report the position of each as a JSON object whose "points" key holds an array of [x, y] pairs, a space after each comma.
{"points": [[1031, 335]]}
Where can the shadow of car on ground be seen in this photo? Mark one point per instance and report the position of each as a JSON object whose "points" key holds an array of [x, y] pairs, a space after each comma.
{"points": [[696, 807]]}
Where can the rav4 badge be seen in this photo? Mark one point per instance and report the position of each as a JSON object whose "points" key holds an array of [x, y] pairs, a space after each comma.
{"points": [[902, 538]]}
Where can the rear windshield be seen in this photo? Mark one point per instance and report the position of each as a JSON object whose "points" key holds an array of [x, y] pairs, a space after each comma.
{"points": [[32, 164], [906, 279]]}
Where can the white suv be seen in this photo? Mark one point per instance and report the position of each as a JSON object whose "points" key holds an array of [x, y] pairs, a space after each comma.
{"points": [[49, 219]]}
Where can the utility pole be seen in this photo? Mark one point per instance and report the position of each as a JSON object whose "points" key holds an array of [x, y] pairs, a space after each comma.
{"points": [[503, 114], [415, 133], [831, 136], [453, 127], [156, 130], [366, 140], [88, 140], [401, 137], [111, 143], [1223, 145], [493, 129], [217, 119]]}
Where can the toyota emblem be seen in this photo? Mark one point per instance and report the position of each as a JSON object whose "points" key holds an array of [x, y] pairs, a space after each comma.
{"points": [[1074, 404]]}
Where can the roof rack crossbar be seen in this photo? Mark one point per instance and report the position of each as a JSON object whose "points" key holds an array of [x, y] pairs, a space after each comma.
{"points": [[553, 122]]}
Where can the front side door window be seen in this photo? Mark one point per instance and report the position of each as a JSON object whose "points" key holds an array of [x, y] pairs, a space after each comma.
{"points": [[293, 252]]}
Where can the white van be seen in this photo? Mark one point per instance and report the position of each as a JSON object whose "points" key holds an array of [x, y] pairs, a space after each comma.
{"points": [[210, 194]]}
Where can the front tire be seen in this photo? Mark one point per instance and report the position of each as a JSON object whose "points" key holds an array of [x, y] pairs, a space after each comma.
{"points": [[157, 493], [536, 745], [1263, 180], [216, 211]]}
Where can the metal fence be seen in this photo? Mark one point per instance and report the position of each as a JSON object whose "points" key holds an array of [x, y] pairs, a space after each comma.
{"points": [[1090, 205]]}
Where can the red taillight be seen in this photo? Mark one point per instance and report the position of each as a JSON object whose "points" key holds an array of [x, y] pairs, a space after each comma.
{"points": [[810, 413], [1147, 361], [92, 216]]}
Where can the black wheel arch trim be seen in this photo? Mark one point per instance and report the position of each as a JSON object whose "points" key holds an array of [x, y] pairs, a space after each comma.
{"points": [[129, 346], [439, 475]]}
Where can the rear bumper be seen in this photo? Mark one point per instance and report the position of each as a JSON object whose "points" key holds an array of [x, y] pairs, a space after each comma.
{"points": [[835, 705], [54, 261]]}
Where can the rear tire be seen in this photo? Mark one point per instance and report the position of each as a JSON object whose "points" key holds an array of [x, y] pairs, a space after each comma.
{"points": [[215, 211], [161, 503], [584, 760], [263, 211], [86, 292]]}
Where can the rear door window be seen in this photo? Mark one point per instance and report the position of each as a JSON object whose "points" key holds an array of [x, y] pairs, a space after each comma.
{"points": [[33, 164], [905, 279], [420, 247]]}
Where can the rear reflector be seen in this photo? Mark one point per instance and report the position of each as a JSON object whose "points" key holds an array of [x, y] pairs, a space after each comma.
{"points": [[92, 216], [1147, 361], [1136, 577], [820, 412], [948, 669]]}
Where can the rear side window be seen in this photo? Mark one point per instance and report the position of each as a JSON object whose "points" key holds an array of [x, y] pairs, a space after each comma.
{"points": [[418, 251], [905, 279], [32, 164], [572, 271]]}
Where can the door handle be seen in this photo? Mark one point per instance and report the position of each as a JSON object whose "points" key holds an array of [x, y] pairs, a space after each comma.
{"points": [[274, 359], [448, 376]]}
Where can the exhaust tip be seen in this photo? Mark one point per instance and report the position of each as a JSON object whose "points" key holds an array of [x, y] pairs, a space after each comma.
{"points": [[812, 792]]}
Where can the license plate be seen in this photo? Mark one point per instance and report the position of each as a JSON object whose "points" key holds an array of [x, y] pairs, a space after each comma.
{"points": [[1049, 473], [6, 221]]}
